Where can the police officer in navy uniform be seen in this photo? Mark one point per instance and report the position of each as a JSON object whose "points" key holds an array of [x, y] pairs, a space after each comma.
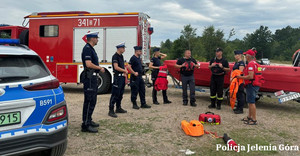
{"points": [[120, 72], [154, 65], [218, 66], [136, 80], [91, 69]]}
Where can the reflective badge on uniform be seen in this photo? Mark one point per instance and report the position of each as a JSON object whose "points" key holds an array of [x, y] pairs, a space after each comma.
{"points": [[250, 68], [259, 68]]}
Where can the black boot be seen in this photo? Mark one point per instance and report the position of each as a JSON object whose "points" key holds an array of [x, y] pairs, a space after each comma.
{"points": [[156, 102], [167, 102], [213, 103], [94, 124], [145, 106], [135, 106], [219, 102], [165, 97], [120, 110], [89, 129], [185, 103], [193, 104], [112, 114]]}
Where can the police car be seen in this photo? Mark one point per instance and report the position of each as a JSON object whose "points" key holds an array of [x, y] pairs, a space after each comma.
{"points": [[33, 110]]}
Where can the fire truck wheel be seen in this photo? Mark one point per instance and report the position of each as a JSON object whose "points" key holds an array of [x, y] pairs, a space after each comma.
{"points": [[104, 82], [24, 37]]}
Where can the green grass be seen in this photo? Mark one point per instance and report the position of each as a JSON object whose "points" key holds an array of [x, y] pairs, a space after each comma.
{"points": [[242, 137]]}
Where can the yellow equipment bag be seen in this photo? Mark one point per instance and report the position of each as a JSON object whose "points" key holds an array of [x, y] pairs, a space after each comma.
{"points": [[192, 128]]}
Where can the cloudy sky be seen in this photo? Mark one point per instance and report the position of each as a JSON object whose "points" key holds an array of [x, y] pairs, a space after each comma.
{"points": [[169, 16]]}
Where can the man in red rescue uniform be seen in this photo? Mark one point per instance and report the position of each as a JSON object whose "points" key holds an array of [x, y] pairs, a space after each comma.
{"points": [[251, 91]]}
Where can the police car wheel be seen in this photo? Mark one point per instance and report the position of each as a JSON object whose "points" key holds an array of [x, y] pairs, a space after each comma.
{"points": [[104, 82], [59, 150]]}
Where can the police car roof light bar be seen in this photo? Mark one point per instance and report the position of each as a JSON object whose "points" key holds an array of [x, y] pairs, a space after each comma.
{"points": [[9, 41]]}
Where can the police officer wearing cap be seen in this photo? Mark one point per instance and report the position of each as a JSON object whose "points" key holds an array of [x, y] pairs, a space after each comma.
{"points": [[154, 65], [136, 80], [120, 72], [218, 66], [91, 69], [239, 65]]}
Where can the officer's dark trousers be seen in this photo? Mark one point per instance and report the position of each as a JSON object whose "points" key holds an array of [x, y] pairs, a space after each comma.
{"points": [[117, 92], [188, 80], [90, 99], [154, 93], [216, 88], [137, 87], [240, 95]]}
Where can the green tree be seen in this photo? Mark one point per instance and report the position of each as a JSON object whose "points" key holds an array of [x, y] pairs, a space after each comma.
{"points": [[179, 46], [262, 40], [212, 39], [286, 42], [189, 33]]}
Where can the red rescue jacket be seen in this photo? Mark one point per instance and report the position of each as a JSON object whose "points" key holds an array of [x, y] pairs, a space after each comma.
{"points": [[161, 82]]}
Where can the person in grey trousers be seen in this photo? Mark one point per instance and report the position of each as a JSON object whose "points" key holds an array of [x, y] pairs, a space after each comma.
{"points": [[187, 64]]}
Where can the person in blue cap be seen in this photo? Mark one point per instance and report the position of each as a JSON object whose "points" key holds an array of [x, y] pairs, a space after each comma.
{"points": [[154, 65], [120, 72], [91, 66], [239, 65], [136, 80]]}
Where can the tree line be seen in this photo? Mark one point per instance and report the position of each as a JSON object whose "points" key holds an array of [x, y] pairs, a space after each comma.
{"points": [[276, 46]]}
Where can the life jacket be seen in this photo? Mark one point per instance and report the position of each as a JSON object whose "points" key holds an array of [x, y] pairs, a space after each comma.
{"points": [[161, 82], [258, 78], [216, 70], [234, 86], [192, 128], [189, 65]]}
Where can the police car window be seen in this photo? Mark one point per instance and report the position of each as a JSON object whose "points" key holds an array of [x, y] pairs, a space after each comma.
{"points": [[21, 68], [48, 30]]}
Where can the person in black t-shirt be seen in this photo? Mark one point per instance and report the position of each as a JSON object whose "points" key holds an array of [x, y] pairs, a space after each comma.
{"points": [[154, 65], [187, 65], [218, 66], [239, 65]]}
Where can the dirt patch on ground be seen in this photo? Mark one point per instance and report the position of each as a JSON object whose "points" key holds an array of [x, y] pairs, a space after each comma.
{"points": [[157, 131]]}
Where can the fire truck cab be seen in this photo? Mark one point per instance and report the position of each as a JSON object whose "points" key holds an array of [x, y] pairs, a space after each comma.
{"points": [[59, 37]]}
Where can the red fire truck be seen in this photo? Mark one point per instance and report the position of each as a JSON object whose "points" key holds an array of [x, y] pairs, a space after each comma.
{"points": [[58, 37]]}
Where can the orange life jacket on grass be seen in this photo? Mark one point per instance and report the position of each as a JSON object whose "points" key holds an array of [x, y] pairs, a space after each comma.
{"points": [[161, 82], [234, 86]]}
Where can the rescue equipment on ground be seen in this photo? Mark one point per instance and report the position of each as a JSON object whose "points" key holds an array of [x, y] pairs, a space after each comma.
{"points": [[258, 78], [192, 128], [234, 86], [231, 143], [210, 118], [161, 82]]}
